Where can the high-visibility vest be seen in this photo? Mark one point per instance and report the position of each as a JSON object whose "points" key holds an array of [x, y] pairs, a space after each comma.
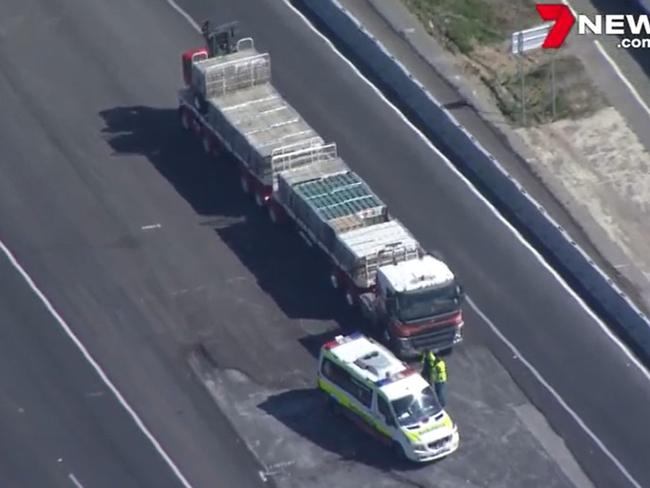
{"points": [[440, 371]]}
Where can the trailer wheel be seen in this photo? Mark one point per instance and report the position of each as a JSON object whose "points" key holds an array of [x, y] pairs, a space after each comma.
{"points": [[245, 185], [350, 298], [334, 280]]}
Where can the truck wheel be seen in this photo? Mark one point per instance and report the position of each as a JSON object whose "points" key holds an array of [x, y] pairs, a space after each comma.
{"points": [[445, 352], [245, 185], [259, 200], [273, 215], [185, 120]]}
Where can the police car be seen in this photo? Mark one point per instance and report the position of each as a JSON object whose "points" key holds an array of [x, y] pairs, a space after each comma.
{"points": [[366, 381]]}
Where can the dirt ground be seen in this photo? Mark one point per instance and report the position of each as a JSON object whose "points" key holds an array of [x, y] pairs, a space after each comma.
{"points": [[599, 164], [478, 32]]}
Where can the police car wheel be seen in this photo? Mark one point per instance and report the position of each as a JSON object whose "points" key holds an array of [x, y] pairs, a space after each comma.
{"points": [[398, 452], [334, 406]]}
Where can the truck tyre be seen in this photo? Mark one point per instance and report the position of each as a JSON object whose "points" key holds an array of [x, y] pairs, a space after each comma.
{"points": [[245, 185], [350, 298], [334, 280], [259, 200], [273, 214]]}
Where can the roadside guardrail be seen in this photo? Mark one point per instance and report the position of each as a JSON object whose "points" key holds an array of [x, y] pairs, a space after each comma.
{"points": [[483, 169]]}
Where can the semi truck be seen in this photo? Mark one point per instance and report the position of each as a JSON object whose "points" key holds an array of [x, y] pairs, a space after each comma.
{"points": [[410, 296]]}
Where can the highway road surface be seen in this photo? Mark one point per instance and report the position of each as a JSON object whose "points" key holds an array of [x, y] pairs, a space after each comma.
{"points": [[147, 250], [60, 424]]}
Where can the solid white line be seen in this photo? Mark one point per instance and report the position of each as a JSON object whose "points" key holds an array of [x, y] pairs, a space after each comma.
{"points": [[184, 14], [98, 369], [619, 72], [555, 394], [152, 226], [623, 78], [75, 481]]}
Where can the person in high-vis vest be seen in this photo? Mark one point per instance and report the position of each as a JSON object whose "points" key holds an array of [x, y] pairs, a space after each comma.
{"points": [[434, 370]]}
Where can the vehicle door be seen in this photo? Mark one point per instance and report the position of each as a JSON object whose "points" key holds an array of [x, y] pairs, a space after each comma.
{"points": [[384, 417]]}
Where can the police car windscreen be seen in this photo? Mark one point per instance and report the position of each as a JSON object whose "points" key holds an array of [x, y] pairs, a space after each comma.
{"points": [[413, 409]]}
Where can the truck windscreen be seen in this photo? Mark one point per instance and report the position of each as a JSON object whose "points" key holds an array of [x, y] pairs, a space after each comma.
{"points": [[425, 303]]}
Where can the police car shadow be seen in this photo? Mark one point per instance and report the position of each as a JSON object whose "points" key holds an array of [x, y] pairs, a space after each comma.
{"points": [[311, 420]]}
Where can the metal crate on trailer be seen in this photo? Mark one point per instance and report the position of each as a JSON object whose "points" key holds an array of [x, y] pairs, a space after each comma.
{"points": [[362, 251], [329, 199], [253, 118], [213, 77]]}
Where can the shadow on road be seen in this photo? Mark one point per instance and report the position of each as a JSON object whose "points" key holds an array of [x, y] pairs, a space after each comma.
{"points": [[294, 275], [305, 411]]}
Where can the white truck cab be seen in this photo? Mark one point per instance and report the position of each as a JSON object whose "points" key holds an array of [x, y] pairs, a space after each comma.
{"points": [[419, 301], [382, 393]]}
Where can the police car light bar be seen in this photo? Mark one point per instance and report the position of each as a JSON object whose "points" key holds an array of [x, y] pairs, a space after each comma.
{"points": [[408, 371], [340, 339]]}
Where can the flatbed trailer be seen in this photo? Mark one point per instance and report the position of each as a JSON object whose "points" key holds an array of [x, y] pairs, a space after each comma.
{"points": [[229, 101]]}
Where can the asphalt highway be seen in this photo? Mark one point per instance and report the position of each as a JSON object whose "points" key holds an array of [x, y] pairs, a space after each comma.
{"points": [[147, 250], [60, 425]]}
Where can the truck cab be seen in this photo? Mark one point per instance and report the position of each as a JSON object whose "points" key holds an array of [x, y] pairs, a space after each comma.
{"points": [[417, 303]]}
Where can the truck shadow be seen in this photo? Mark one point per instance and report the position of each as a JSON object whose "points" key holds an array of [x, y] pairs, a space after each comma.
{"points": [[305, 411], [294, 275]]}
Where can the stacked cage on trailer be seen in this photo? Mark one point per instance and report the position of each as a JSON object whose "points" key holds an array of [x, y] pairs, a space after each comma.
{"points": [[250, 118], [338, 211]]}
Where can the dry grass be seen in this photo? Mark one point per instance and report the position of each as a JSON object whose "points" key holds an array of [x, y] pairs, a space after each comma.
{"points": [[478, 33]]}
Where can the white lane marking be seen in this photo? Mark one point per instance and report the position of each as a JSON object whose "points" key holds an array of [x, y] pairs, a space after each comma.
{"points": [[555, 394], [184, 14], [477, 193], [623, 78], [98, 369], [512, 229], [619, 72], [75, 481], [152, 226]]}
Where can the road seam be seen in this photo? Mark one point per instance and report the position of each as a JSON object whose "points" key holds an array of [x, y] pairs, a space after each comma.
{"points": [[95, 365]]}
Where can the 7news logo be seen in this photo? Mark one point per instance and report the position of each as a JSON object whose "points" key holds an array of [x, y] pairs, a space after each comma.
{"points": [[634, 30]]}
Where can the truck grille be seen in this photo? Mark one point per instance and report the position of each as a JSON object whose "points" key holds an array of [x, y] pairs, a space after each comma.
{"points": [[436, 339]]}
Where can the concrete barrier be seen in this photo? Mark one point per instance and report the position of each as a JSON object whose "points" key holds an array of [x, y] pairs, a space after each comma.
{"points": [[609, 301]]}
